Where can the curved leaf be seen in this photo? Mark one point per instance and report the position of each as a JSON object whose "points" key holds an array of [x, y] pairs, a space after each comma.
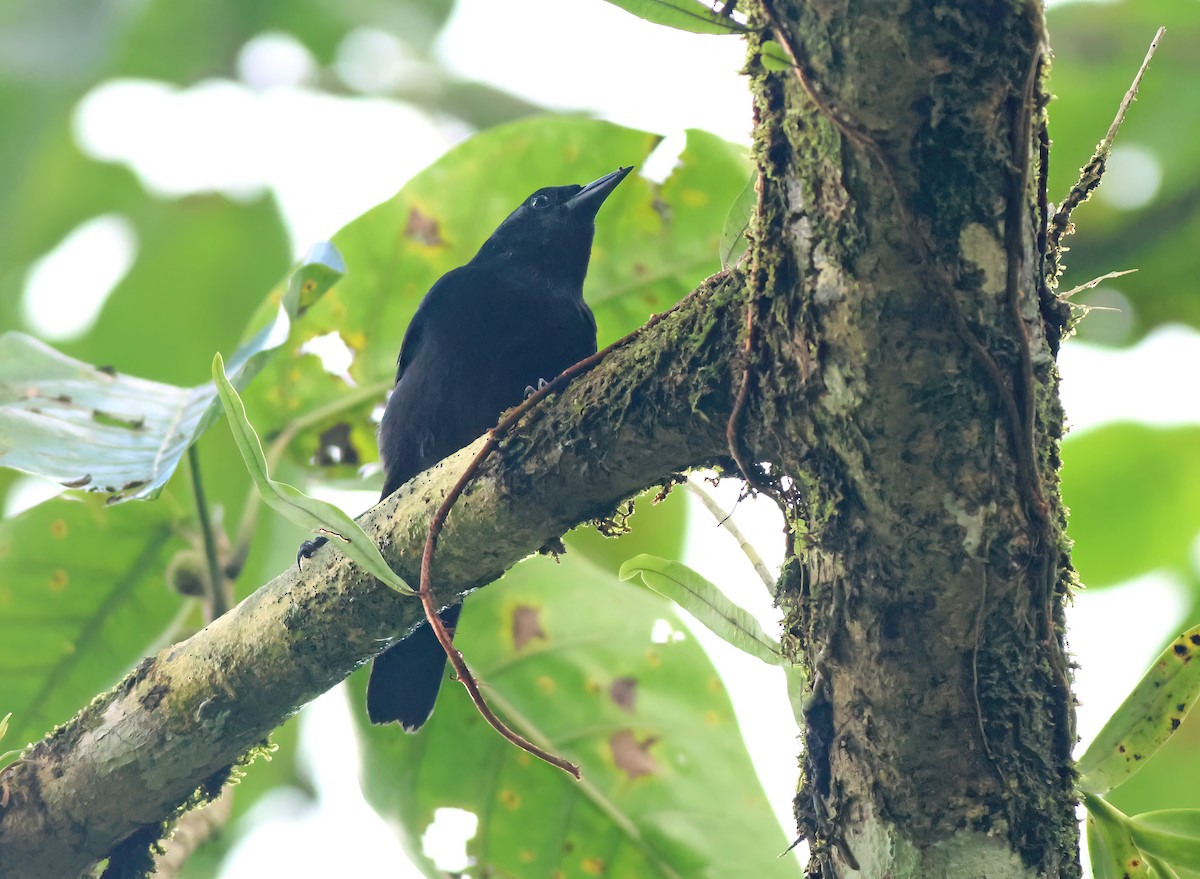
{"points": [[1147, 718], [318, 516], [707, 603], [733, 234], [1111, 849]]}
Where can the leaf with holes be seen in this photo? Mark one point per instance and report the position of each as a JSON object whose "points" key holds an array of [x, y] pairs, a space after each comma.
{"points": [[317, 516], [708, 604], [90, 428], [603, 673], [685, 15], [1147, 718]]}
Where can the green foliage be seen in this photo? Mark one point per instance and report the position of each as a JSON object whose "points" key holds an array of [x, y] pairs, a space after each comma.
{"points": [[83, 599], [82, 584], [319, 517], [1154, 845], [737, 221], [94, 429]]}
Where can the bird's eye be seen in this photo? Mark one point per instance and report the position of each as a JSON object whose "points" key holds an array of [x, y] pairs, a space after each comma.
{"points": [[539, 201]]}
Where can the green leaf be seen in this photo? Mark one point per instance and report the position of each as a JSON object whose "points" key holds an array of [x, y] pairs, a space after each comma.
{"points": [[316, 515], [82, 598], [1132, 491], [737, 221], [706, 603], [684, 15], [1147, 718], [580, 662], [1172, 835], [1111, 849], [774, 57], [94, 429]]}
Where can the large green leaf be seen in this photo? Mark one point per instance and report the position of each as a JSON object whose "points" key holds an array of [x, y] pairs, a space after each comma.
{"points": [[653, 244], [571, 656], [95, 429], [82, 597], [1133, 495]]}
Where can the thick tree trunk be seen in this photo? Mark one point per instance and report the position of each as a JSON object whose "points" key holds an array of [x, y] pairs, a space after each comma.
{"points": [[901, 304]]}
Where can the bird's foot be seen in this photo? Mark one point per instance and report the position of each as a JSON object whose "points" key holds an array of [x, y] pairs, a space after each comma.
{"points": [[308, 549], [530, 390]]}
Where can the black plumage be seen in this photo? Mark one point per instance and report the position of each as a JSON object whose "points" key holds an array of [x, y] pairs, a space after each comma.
{"points": [[484, 333]]}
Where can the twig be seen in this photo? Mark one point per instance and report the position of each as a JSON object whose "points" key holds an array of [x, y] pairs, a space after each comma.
{"points": [[1107, 276], [1092, 173], [507, 422], [218, 598], [726, 522]]}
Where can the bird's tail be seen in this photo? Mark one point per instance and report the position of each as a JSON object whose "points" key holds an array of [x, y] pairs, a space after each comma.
{"points": [[406, 677]]}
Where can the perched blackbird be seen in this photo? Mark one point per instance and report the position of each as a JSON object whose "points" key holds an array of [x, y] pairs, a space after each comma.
{"points": [[483, 334]]}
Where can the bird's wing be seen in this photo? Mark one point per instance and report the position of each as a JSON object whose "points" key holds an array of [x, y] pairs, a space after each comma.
{"points": [[450, 293]]}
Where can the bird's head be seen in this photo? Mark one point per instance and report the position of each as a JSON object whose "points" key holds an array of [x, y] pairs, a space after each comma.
{"points": [[554, 225]]}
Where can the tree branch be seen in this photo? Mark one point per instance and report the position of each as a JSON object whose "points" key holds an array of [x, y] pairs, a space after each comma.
{"points": [[179, 721]]}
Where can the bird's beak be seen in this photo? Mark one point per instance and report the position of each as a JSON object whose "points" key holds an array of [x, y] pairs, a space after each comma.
{"points": [[592, 196]]}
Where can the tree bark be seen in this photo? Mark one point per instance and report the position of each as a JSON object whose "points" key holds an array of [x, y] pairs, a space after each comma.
{"points": [[888, 353], [899, 284]]}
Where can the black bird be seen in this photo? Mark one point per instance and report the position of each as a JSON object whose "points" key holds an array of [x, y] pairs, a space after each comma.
{"points": [[483, 334]]}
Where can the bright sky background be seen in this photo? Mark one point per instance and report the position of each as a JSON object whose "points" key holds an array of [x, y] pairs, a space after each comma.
{"points": [[328, 159]]}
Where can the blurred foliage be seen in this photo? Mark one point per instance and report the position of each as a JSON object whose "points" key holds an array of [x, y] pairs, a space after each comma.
{"points": [[83, 591]]}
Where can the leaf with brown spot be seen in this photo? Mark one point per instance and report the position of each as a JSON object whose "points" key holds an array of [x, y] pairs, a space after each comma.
{"points": [[1146, 719], [624, 693], [631, 756], [423, 228], [526, 625]]}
